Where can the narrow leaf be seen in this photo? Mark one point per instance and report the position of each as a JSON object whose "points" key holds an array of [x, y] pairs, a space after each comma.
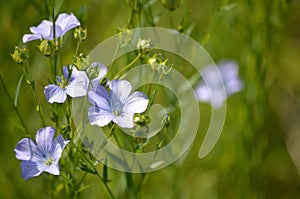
{"points": [[18, 90]]}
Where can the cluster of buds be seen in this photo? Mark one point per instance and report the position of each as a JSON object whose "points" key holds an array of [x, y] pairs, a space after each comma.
{"points": [[80, 34], [81, 62], [48, 47], [144, 46], [20, 54], [161, 66]]}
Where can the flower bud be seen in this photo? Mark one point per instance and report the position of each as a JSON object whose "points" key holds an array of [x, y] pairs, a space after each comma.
{"points": [[144, 45], [81, 62], [47, 47], [142, 120], [80, 34], [171, 4], [20, 54]]}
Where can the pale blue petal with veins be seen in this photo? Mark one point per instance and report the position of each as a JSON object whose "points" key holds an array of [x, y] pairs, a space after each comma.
{"points": [[42, 156], [77, 86], [118, 106]]}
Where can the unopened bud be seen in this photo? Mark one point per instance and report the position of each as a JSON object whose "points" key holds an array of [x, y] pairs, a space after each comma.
{"points": [[80, 34], [47, 47], [81, 62], [20, 54], [144, 45], [142, 120]]}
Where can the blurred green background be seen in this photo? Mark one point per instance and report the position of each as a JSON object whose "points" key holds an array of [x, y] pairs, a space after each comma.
{"points": [[258, 153]]}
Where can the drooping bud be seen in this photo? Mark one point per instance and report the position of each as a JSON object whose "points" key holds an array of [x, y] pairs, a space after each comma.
{"points": [[80, 34], [20, 54], [81, 62], [47, 47]]}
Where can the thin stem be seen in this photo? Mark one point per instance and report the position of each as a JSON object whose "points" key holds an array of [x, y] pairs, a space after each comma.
{"points": [[15, 107], [127, 67], [28, 76], [95, 170]]}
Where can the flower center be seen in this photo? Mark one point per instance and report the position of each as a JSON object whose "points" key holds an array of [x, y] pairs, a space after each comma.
{"points": [[48, 161], [116, 105]]}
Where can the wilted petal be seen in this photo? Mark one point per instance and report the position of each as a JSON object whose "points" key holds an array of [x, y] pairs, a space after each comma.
{"points": [[137, 102], [99, 117], [120, 90], [66, 22], [124, 120], [31, 169], [44, 138], [58, 146], [26, 149], [54, 93]]}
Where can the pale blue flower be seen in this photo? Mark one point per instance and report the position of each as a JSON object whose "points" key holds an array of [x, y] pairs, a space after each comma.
{"points": [[118, 106], [225, 76], [75, 86], [42, 156], [44, 30]]}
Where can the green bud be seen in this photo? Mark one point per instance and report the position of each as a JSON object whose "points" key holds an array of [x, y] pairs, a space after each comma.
{"points": [[172, 4], [47, 47], [80, 34], [167, 121], [20, 54], [142, 120], [81, 62]]}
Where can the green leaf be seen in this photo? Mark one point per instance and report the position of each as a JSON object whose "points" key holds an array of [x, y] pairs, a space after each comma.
{"points": [[18, 90], [57, 6], [88, 170]]}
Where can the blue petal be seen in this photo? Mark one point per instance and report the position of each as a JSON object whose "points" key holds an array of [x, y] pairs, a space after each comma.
{"points": [[99, 117], [137, 102], [101, 98], [31, 169], [124, 120], [58, 146], [54, 93], [66, 22], [31, 37], [44, 138], [44, 29], [120, 90], [79, 83], [53, 168], [26, 149]]}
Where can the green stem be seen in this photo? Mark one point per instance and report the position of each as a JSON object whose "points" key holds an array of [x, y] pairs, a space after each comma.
{"points": [[127, 67], [95, 170], [28, 75], [15, 107]]}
